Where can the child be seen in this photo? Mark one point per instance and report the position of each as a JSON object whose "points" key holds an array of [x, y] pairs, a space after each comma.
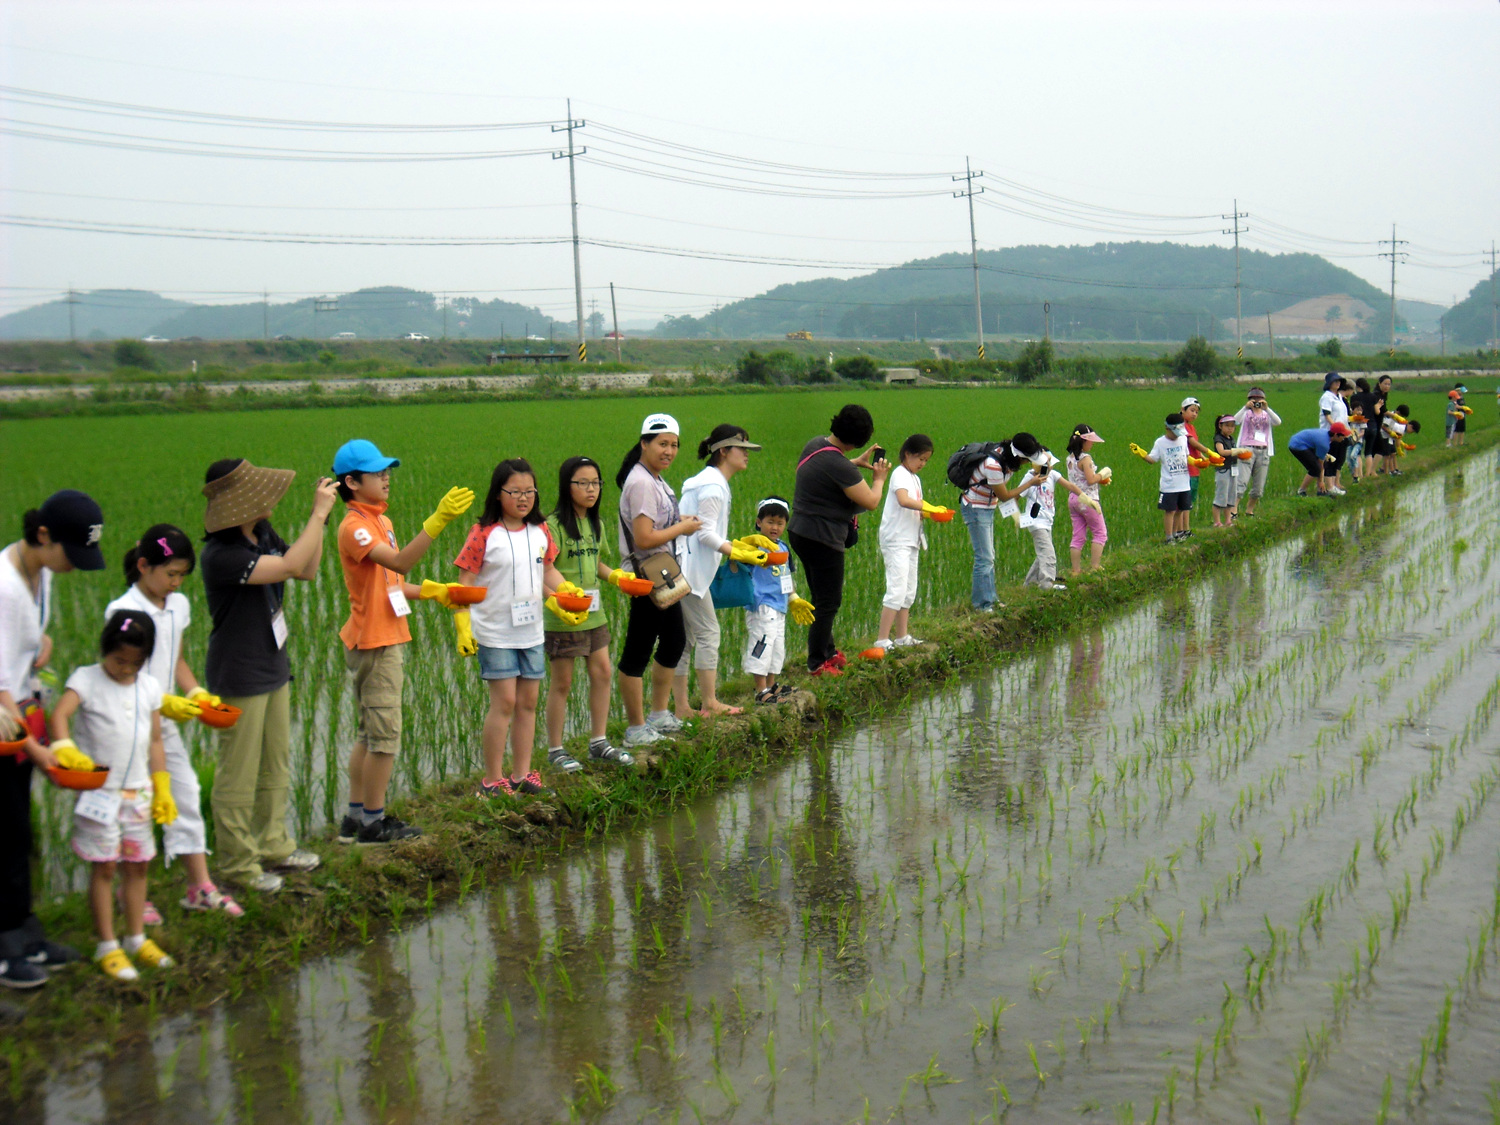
{"points": [[574, 527], [1225, 477], [1170, 452], [154, 571], [1456, 422], [510, 552], [1397, 423], [902, 541], [1037, 513], [1087, 522], [118, 705], [376, 630], [772, 597]]}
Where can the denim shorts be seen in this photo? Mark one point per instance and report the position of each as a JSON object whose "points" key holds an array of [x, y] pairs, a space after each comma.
{"points": [[510, 663]]}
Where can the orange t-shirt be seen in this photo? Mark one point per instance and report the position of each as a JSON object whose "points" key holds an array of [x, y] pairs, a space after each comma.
{"points": [[372, 620]]}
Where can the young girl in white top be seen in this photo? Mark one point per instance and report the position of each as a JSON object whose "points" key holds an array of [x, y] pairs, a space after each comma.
{"points": [[1038, 511], [902, 541], [115, 706], [1088, 523], [510, 552], [154, 569]]}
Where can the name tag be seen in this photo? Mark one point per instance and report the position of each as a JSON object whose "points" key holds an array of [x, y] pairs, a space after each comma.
{"points": [[399, 604], [99, 805], [525, 613], [595, 602], [278, 628], [1008, 509], [786, 584]]}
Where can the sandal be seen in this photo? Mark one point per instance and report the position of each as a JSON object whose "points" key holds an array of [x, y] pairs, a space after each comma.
{"points": [[770, 694], [154, 955], [117, 965]]}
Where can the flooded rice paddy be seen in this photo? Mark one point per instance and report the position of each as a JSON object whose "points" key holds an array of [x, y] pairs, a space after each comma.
{"points": [[1230, 856]]}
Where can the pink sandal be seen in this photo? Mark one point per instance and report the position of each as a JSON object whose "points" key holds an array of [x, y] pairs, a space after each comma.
{"points": [[209, 897]]}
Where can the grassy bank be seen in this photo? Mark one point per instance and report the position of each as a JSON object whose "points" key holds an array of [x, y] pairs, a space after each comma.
{"points": [[470, 844]]}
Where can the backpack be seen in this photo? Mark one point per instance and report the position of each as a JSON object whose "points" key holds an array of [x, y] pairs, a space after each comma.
{"points": [[964, 463]]}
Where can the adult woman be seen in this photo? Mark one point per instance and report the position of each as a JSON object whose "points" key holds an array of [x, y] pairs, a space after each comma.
{"points": [[650, 524], [1377, 444], [245, 567], [1256, 419], [1333, 407], [727, 450], [62, 535], [830, 494]]}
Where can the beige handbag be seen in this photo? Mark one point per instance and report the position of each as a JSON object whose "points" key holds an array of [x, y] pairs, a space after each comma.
{"points": [[668, 585]]}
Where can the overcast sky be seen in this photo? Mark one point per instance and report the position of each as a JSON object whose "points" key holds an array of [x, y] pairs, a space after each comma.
{"points": [[1328, 120]]}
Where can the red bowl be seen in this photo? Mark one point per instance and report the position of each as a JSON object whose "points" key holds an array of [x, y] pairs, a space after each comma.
{"points": [[876, 653], [78, 779], [467, 595], [17, 748], [636, 587], [776, 558], [574, 603], [223, 716]]}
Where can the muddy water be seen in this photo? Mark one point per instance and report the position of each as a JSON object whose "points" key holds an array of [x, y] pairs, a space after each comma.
{"points": [[1231, 850]]}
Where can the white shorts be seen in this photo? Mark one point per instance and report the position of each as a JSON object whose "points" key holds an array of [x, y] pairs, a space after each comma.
{"points": [[900, 576], [130, 838], [765, 641]]}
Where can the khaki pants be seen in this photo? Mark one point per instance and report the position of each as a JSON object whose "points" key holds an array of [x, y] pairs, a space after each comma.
{"points": [[250, 785], [378, 675]]}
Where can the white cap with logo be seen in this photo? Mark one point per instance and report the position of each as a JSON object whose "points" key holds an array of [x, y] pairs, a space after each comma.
{"points": [[659, 424]]}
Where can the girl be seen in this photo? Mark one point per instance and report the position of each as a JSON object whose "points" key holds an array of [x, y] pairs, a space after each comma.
{"points": [[510, 552], [727, 450], [650, 524], [1256, 421], [902, 541], [154, 570], [1038, 510], [574, 527], [1225, 475], [118, 705], [1088, 523]]}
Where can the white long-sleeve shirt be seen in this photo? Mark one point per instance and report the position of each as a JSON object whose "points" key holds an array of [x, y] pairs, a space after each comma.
{"points": [[1255, 428], [706, 496]]}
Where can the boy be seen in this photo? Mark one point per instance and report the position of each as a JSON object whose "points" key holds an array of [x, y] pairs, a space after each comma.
{"points": [[373, 568], [772, 597], [1190, 408], [1171, 452]]}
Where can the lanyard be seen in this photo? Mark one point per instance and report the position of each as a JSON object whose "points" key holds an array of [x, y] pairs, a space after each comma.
{"points": [[531, 578]]}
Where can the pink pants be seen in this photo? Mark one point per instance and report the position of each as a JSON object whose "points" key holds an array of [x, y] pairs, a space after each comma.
{"points": [[1085, 521]]}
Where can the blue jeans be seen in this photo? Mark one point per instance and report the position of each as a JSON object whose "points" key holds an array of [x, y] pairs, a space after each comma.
{"points": [[981, 524]]}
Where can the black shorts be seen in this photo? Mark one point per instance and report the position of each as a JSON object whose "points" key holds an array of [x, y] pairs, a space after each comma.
{"points": [[1308, 460], [1175, 501]]}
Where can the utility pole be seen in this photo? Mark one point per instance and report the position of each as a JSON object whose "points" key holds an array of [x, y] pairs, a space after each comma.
{"points": [[1047, 321], [1237, 230], [1494, 335], [265, 314], [583, 348], [1394, 255], [72, 300], [614, 310], [445, 316], [1270, 337], [970, 190]]}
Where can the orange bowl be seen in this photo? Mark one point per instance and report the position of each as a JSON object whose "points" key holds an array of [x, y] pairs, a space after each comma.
{"points": [[467, 595], [876, 653], [574, 603], [78, 779], [223, 716], [776, 558], [17, 748], [943, 517], [1247, 454], [636, 587]]}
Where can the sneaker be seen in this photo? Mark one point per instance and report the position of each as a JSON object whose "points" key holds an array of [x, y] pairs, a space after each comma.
{"points": [[387, 830], [501, 788], [664, 722], [886, 644], [117, 965], [604, 752], [349, 829], [46, 954], [643, 735], [209, 897], [153, 955], [560, 759], [827, 668], [530, 786], [20, 973], [300, 860], [1301, 492], [907, 641], [1058, 586], [839, 661], [267, 883], [1336, 490]]}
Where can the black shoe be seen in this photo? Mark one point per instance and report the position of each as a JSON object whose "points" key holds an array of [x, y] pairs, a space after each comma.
{"points": [[387, 830], [529, 788], [50, 954], [21, 974], [349, 829]]}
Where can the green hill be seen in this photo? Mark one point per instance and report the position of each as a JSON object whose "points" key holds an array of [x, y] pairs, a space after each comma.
{"points": [[1470, 321], [98, 314]]}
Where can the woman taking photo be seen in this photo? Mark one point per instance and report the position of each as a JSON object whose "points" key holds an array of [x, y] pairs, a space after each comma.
{"points": [[831, 492], [727, 451], [650, 525]]}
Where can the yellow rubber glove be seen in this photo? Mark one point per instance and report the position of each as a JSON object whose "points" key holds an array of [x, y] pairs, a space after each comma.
{"points": [[750, 556], [178, 709], [1091, 502], [759, 542], [563, 615], [936, 510], [572, 588], [69, 757], [1139, 452], [449, 508], [617, 576], [163, 808], [204, 698], [1215, 459], [437, 591], [465, 631], [801, 610], [1199, 462], [1105, 474]]}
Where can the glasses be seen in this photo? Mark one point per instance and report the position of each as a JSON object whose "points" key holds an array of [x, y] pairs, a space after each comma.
{"points": [[519, 493], [587, 483]]}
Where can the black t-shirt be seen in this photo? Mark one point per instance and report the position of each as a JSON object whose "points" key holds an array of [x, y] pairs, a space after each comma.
{"points": [[243, 657], [1222, 445], [820, 509]]}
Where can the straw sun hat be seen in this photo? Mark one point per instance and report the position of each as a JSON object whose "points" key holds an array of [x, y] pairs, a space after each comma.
{"points": [[243, 494]]}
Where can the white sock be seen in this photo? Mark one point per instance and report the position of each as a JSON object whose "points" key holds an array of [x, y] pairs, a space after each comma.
{"points": [[133, 942], [105, 947]]}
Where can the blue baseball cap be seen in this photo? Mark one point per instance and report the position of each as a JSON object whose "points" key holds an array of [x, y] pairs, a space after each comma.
{"points": [[361, 456]]}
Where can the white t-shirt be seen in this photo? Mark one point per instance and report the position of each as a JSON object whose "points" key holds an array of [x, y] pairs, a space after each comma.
{"points": [[23, 620], [113, 723], [1171, 454], [901, 527], [1040, 498], [510, 564], [171, 623], [1332, 408]]}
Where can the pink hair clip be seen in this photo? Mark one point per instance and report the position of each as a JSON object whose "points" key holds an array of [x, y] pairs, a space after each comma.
{"points": [[126, 624], [166, 547]]}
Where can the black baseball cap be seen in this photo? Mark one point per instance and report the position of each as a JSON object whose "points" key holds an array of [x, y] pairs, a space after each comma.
{"points": [[74, 520]]}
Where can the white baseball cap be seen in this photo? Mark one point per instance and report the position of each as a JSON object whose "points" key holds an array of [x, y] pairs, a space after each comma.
{"points": [[659, 424], [1189, 401]]}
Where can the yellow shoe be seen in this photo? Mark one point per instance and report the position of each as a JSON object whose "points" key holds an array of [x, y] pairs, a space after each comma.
{"points": [[154, 955], [117, 965]]}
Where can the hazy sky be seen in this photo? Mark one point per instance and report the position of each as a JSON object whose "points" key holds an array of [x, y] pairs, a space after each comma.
{"points": [[1328, 120]]}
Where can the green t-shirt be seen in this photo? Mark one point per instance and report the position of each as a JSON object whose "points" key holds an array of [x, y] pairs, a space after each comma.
{"points": [[577, 561]]}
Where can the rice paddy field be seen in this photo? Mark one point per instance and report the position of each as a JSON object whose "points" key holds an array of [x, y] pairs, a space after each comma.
{"points": [[1229, 856]]}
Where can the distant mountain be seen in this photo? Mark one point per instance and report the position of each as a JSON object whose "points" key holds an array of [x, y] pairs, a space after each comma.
{"points": [[1470, 322], [1114, 290], [382, 312]]}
